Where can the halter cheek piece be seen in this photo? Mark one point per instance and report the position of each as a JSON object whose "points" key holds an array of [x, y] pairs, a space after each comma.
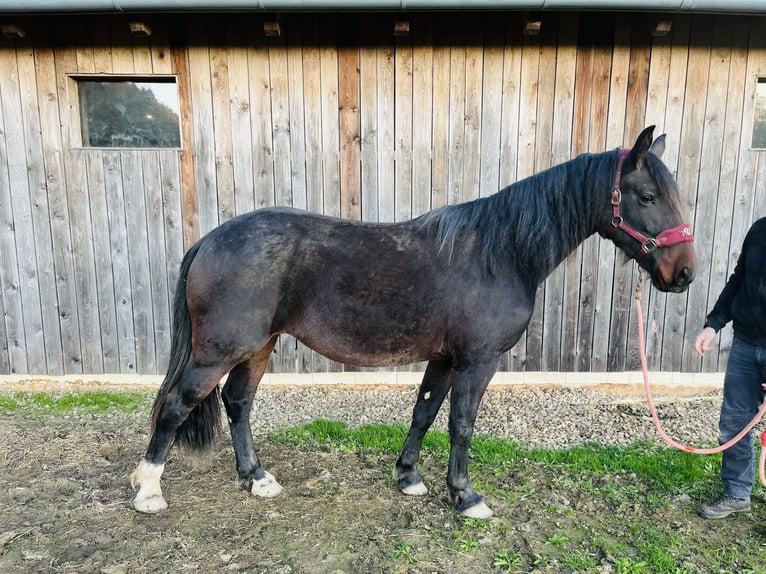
{"points": [[680, 234]]}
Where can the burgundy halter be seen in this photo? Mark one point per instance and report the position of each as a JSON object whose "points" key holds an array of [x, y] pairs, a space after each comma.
{"points": [[680, 234]]}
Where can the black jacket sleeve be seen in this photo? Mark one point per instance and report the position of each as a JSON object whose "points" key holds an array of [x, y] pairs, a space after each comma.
{"points": [[721, 313]]}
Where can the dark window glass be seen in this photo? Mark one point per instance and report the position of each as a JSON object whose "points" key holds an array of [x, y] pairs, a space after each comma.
{"points": [[129, 113]]}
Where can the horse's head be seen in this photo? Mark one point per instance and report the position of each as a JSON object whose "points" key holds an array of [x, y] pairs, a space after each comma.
{"points": [[647, 217]]}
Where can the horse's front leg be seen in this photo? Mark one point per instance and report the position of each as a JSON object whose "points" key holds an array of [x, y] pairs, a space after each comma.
{"points": [[433, 389], [468, 387]]}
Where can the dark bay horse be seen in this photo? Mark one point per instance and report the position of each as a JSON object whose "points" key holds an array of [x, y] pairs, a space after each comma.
{"points": [[455, 287]]}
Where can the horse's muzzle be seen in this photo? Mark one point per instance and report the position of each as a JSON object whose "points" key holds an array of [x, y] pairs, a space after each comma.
{"points": [[681, 280]]}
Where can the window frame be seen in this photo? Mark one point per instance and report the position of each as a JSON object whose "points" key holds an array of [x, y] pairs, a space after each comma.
{"points": [[74, 82], [760, 81]]}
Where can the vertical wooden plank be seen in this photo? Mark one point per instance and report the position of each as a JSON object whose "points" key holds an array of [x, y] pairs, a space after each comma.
{"points": [[142, 53], [591, 108], [527, 353], [441, 105], [224, 169], [5, 363], [242, 150], [133, 184], [635, 121], [422, 112], [474, 85], [328, 64], [553, 307], [120, 260], [368, 121], [491, 150], [386, 133], [403, 128], [179, 55], [173, 223], [456, 110], [157, 280], [159, 46], [614, 290], [13, 335], [511, 105], [260, 121], [122, 47], [509, 141], [33, 342], [350, 131], [297, 115], [108, 304], [653, 303], [563, 121], [203, 126], [280, 121]]}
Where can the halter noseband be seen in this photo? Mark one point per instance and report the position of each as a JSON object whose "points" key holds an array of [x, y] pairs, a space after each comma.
{"points": [[680, 234]]}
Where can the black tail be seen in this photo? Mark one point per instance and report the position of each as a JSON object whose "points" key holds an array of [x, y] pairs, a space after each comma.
{"points": [[203, 424]]}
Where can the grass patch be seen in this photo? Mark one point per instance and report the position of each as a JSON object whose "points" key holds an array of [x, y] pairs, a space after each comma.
{"points": [[87, 402], [669, 470]]}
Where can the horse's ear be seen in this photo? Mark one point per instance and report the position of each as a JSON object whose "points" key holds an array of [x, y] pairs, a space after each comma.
{"points": [[658, 146], [642, 146]]}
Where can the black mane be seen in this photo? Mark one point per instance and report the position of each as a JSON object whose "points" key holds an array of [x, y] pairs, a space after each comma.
{"points": [[535, 222]]}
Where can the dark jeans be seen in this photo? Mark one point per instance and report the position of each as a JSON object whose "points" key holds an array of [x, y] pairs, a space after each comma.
{"points": [[742, 398]]}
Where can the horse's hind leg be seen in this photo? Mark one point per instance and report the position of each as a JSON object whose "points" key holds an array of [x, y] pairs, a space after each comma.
{"points": [[238, 394], [194, 386], [433, 389]]}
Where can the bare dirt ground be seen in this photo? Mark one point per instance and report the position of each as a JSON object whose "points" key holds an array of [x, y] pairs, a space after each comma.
{"points": [[64, 507]]}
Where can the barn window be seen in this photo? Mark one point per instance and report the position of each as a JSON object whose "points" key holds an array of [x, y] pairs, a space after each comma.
{"points": [[129, 112], [759, 116]]}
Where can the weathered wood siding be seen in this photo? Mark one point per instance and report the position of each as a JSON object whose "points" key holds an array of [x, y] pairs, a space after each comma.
{"points": [[339, 116]]}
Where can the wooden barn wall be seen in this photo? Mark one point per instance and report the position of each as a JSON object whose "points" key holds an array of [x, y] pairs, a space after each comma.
{"points": [[339, 116]]}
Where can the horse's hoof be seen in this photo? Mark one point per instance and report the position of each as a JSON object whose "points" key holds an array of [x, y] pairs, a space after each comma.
{"points": [[150, 505], [479, 511], [417, 489], [266, 487]]}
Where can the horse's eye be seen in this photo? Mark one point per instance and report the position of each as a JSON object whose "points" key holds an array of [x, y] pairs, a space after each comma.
{"points": [[646, 198]]}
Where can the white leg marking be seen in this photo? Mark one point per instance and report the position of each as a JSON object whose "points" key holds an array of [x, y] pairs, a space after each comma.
{"points": [[266, 487], [418, 489], [146, 478], [478, 512]]}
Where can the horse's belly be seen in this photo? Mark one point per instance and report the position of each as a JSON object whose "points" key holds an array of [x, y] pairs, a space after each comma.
{"points": [[383, 349]]}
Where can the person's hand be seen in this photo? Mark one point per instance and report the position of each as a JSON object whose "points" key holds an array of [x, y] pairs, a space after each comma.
{"points": [[704, 340]]}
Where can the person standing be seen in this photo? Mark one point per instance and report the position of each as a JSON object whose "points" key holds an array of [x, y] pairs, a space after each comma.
{"points": [[743, 302]]}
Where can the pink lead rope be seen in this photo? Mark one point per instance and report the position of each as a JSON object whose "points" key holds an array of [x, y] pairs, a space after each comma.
{"points": [[655, 418]]}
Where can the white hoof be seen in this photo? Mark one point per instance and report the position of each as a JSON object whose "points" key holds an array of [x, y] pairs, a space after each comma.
{"points": [[146, 479], [478, 512], [418, 489], [151, 505], [266, 487]]}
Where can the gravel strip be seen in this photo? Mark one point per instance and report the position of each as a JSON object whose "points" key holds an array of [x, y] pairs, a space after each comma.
{"points": [[534, 417]]}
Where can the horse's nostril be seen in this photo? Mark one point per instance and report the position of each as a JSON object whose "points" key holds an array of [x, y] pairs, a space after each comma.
{"points": [[683, 277]]}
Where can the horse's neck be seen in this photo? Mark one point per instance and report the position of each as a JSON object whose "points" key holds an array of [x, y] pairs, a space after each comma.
{"points": [[569, 194]]}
